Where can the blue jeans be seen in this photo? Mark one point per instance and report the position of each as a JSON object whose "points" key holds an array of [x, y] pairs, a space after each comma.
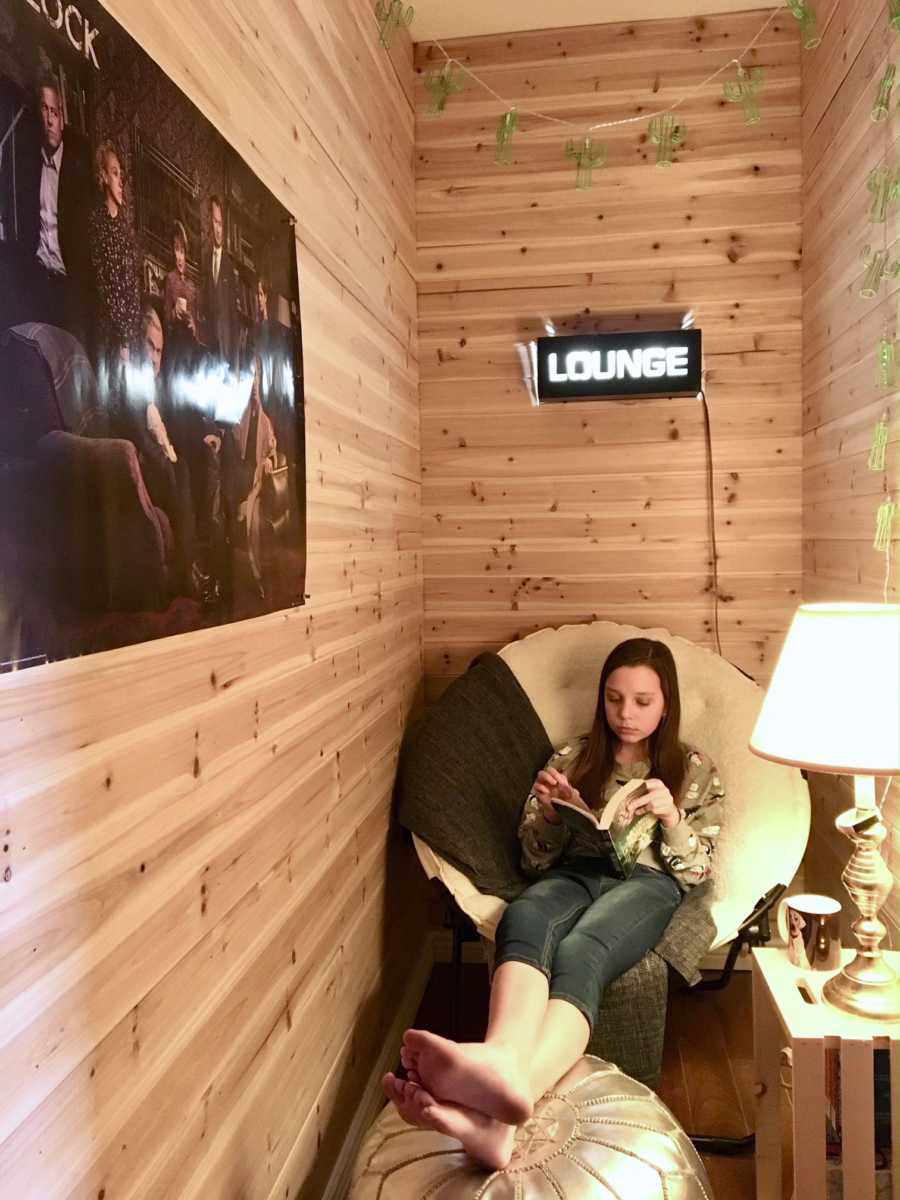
{"points": [[583, 929]]}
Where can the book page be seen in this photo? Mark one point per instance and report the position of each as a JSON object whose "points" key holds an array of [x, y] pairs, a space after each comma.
{"points": [[634, 787], [576, 814]]}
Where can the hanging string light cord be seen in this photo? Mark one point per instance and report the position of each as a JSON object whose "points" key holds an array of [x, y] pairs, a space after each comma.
{"points": [[887, 573], [711, 509], [886, 586], [542, 116]]}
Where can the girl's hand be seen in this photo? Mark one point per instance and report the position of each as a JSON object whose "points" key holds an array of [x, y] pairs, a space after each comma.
{"points": [[657, 800], [551, 785]]}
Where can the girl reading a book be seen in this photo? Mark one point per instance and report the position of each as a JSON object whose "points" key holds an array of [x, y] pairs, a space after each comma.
{"points": [[580, 926]]}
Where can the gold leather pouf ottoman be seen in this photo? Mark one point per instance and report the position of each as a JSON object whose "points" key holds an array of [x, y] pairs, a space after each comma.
{"points": [[599, 1135]]}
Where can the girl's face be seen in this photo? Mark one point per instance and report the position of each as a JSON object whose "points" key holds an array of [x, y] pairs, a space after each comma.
{"points": [[112, 179], [634, 703], [179, 257]]}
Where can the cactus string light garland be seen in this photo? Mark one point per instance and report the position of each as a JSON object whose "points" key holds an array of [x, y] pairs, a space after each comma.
{"points": [[665, 130], [886, 515]]}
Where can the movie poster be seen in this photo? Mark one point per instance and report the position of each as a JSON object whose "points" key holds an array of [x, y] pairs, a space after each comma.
{"points": [[152, 467]]}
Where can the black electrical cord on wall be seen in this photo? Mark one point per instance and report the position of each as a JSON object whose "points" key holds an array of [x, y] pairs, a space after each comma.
{"points": [[711, 499]]}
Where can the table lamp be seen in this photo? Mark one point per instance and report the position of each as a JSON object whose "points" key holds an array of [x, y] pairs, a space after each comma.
{"points": [[834, 706]]}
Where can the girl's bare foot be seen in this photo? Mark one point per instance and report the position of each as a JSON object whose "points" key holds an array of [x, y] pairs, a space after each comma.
{"points": [[408, 1098], [483, 1076], [488, 1142]]}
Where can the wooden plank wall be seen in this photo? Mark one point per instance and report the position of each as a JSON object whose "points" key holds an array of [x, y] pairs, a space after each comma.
{"points": [[536, 517], [205, 958], [842, 395]]}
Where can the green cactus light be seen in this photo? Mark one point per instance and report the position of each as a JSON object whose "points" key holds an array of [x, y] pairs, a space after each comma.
{"points": [[391, 17], [878, 451], [744, 90], [883, 100], [884, 522], [665, 133], [508, 125], [887, 363], [884, 184], [802, 12], [442, 84], [586, 154], [878, 268]]}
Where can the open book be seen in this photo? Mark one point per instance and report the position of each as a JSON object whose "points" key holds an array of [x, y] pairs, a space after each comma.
{"points": [[606, 834]]}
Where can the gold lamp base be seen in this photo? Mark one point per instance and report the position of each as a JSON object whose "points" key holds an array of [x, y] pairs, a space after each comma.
{"points": [[866, 986], [868, 989]]}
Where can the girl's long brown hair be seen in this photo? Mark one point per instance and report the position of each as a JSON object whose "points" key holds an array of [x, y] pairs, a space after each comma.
{"points": [[597, 760]]}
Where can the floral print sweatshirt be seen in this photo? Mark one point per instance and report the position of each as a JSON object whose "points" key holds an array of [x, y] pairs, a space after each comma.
{"points": [[686, 851]]}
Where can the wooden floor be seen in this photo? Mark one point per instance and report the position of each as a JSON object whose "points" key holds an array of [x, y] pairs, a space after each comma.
{"points": [[707, 1078]]}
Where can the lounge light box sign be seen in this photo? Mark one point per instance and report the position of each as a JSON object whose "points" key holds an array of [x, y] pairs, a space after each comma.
{"points": [[611, 366]]}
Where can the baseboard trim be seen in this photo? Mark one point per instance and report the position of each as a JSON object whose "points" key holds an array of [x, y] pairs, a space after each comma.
{"points": [[372, 1098]]}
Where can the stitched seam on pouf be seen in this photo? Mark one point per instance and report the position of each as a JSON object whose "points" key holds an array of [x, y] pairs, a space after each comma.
{"points": [[389, 1137], [552, 1182], [616, 1099], [588, 1169], [409, 1162], [487, 1183], [662, 1174]]}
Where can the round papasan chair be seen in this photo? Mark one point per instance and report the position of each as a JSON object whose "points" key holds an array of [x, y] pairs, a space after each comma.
{"points": [[467, 766]]}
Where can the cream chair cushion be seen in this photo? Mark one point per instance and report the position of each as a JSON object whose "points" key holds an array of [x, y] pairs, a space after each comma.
{"points": [[483, 911]]}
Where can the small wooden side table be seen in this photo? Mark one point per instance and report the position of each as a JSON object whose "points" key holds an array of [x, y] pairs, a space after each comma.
{"points": [[784, 1016]]}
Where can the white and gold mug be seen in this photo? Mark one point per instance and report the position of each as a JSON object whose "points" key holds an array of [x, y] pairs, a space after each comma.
{"points": [[810, 925]]}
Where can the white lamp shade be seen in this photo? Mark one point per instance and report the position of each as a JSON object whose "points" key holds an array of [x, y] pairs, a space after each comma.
{"points": [[834, 701]]}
